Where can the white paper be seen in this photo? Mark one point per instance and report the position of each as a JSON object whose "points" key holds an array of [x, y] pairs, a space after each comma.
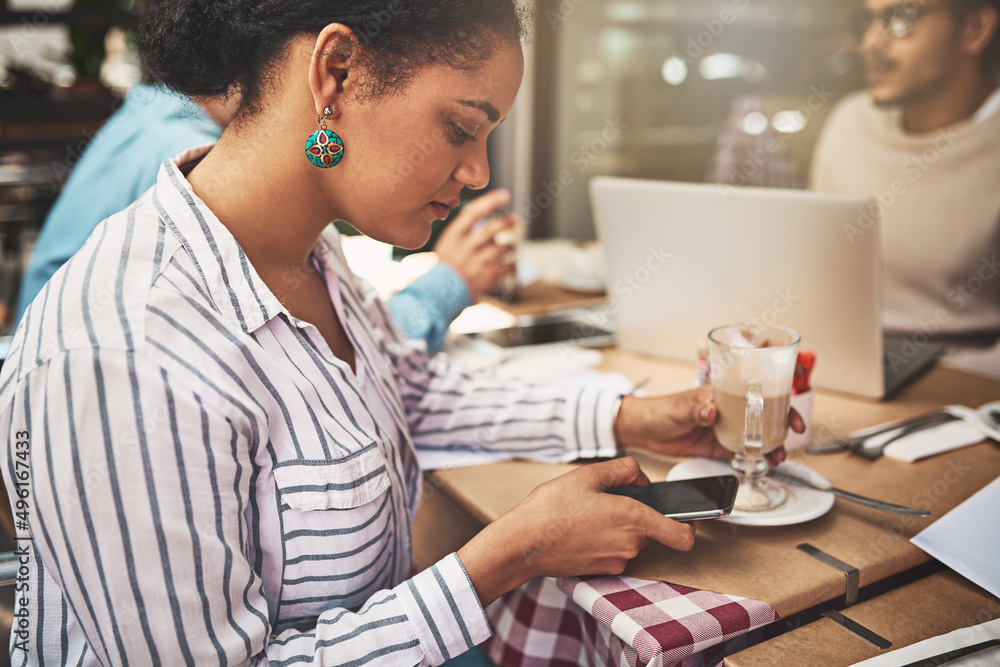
{"points": [[935, 646], [967, 539]]}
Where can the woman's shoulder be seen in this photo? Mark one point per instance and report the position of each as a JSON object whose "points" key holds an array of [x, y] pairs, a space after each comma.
{"points": [[100, 298]]}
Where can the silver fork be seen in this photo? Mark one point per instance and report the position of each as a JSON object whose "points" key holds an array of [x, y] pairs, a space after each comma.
{"points": [[872, 453], [853, 497], [856, 442]]}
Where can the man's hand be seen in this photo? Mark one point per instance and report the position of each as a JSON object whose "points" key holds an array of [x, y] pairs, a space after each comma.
{"points": [[680, 425], [473, 252]]}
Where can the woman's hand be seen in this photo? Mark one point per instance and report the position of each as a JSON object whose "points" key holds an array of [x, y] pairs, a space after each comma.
{"points": [[568, 527], [474, 252], [680, 425]]}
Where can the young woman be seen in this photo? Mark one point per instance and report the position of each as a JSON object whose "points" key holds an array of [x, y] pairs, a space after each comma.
{"points": [[211, 425]]}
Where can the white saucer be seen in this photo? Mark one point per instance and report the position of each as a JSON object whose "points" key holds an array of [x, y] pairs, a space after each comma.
{"points": [[576, 282], [989, 426], [803, 504]]}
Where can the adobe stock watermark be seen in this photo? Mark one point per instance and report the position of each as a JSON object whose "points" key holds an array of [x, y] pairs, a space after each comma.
{"points": [[581, 158], [960, 296], [372, 27], [569, 520], [429, 145], [562, 13], [925, 498], [623, 290], [912, 171], [631, 283], [784, 299], [756, 158], [696, 46], [139, 97], [30, 26]]}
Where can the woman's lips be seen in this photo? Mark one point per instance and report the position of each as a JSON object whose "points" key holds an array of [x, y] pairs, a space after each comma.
{"points": [[443, 210]]}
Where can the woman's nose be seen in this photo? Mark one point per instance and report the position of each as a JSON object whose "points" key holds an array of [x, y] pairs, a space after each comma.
{"points": [[474, 170]]}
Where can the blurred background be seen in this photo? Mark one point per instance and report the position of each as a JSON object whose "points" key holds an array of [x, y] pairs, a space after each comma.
{"points": [[686, 90]]}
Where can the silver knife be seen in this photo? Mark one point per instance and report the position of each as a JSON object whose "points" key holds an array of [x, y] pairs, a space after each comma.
{"points": [[853, 497]]}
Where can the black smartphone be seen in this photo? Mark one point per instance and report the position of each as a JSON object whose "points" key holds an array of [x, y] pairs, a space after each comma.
{"points": [[544, 331], [687, 499]]}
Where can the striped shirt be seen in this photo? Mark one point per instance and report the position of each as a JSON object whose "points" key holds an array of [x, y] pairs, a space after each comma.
{"points": [[205, 483]]}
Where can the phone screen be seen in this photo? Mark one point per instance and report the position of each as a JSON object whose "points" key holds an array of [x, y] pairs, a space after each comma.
{"points": [[688, 499], [540, 333]]}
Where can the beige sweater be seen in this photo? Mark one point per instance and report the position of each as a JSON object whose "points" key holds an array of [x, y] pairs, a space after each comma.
{"points": [[940, 203]]}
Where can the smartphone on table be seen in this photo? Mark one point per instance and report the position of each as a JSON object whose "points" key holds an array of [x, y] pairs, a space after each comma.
{"points": [[687, 499], [554, 329]]}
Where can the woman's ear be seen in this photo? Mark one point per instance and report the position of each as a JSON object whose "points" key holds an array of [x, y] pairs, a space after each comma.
{"points": [[332, 67], [980, 27]]}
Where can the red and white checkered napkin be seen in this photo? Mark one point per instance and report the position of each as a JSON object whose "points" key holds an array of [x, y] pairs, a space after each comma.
{"points": [[617, 621]]}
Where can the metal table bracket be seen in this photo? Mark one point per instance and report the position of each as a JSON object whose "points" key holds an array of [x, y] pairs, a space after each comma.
{"points": [[876, 640], [851, 573]]}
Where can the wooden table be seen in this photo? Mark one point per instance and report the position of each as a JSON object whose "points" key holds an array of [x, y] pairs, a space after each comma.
{"points": [[764, 563]]}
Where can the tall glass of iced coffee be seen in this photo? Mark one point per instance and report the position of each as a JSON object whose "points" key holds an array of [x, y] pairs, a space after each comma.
{"points": [[752, 368]]}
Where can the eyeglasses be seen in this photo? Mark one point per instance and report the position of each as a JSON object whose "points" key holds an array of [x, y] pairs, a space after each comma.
{"points": [[896, 21]]}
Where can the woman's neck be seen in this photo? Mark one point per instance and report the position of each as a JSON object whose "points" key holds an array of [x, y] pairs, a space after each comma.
{"points": [[260, 187]]}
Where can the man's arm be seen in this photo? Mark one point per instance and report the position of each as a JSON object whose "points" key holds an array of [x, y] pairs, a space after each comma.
{"points": [[426, 308]]}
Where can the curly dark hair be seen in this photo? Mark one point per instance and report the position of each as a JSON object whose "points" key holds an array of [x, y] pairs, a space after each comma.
{"points": [[991, 56], [211, 48]]}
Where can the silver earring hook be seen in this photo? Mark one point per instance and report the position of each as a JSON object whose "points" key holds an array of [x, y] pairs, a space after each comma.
{"points": [[322, 119]]}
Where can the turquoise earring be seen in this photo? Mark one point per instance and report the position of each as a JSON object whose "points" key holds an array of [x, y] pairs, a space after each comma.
{"points": [[324, 147]]}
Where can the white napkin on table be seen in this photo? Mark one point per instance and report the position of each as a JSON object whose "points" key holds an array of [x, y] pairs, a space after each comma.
{"points": [[937, 440]]}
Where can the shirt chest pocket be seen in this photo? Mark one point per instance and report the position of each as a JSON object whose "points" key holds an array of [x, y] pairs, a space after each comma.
{"points": [[337, 524], [341, 484]]}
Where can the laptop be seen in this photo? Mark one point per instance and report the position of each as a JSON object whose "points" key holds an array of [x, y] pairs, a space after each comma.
{"points": [[686, 257]]}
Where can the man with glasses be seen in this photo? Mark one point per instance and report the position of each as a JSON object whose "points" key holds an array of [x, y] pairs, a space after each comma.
{"points": [[924, 141]]}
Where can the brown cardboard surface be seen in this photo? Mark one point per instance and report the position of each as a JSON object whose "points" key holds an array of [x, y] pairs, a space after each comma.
{"points": [[925, 608], [763, 563]]}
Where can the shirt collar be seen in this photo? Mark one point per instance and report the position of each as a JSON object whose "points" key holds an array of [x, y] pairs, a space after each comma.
{"points": [[989, 107], [233, 285]]}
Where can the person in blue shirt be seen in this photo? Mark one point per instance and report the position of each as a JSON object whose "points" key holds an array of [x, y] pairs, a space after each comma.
{"points": [[155, 124]]}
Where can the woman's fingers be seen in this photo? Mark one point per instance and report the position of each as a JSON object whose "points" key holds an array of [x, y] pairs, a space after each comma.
{"points": [[487, 234], [481, 207]]}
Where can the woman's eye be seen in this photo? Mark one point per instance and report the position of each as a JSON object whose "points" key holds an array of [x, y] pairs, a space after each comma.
{"points": [[459, 136]]}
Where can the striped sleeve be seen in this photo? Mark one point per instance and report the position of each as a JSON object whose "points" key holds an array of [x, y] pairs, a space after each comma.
{"points": [[462, 413], [140, 494], [476, 411], [426, 620]]}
